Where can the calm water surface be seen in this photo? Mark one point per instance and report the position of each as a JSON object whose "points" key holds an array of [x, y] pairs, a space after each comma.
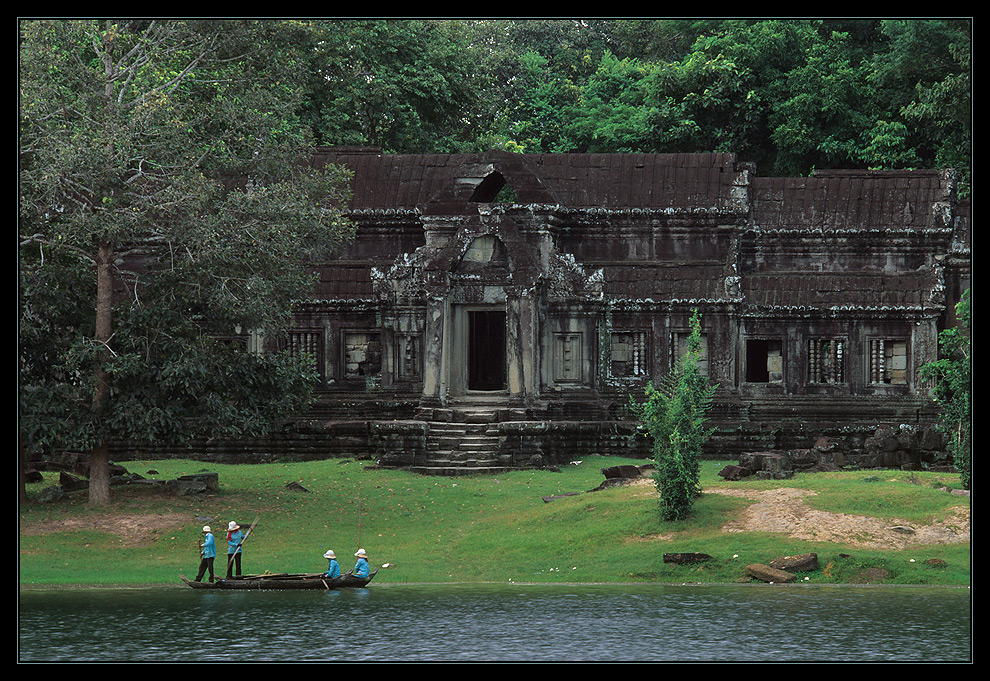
{"points": [[516, 623]]}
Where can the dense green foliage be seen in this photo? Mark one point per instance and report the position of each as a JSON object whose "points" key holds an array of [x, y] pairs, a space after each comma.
{"points": [[165, 207], [791, 95], [673, 414], [952, 374]]}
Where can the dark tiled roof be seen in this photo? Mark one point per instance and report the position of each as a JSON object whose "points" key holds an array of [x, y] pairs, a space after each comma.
{"points": [[664, 281], [849, 200], [829, 200], [344, 280], [830, 289], [639, 180], [684, 181]]}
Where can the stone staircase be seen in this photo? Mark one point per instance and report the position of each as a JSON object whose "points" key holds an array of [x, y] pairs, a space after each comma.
{"points": [[469, 443], [471, 438], [473, 445]]}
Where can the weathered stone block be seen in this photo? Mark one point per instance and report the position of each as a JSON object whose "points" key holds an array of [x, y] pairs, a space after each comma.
{"points": [[210, 481], [686, 558], [181, 487], [765, 573], [806, 562], [733, 472]]}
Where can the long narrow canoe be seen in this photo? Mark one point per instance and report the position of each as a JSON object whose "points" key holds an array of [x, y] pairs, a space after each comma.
{"points": [[283, 581]]}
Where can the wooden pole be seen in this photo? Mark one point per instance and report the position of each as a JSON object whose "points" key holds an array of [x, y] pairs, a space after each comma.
{"points": [[230, 558]]}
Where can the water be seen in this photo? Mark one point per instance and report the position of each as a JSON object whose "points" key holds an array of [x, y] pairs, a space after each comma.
{"points": [[512, 623]]}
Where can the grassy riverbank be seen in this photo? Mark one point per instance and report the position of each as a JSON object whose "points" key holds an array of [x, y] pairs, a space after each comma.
{"points": [[489, 528]]}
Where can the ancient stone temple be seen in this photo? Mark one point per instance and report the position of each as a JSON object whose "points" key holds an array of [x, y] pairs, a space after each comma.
{"points": [[499, 310]]}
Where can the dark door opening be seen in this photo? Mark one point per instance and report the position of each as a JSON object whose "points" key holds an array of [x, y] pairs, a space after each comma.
{"points": [[486, 350]]}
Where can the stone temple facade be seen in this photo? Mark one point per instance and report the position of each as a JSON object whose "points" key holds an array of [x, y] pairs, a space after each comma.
{"points": [[499, 310]]}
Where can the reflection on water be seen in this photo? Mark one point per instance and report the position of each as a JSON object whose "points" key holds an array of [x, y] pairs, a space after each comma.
{"points": [[499, 623]]}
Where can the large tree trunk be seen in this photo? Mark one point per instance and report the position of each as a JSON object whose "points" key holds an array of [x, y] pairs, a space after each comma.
{"points": [[99, 470], [99, 476], [22, 466]]}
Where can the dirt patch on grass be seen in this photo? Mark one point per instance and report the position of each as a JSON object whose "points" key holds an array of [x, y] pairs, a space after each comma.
{"points": [[786, 510], [134, 529]]}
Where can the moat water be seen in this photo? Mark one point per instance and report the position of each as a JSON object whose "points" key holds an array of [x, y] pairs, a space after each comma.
{"points": [[509, 624]]}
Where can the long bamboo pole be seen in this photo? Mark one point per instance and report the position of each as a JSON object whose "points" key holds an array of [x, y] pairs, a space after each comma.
{"points": [[230, 558]]}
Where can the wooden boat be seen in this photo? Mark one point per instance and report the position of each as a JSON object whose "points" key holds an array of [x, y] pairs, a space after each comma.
{"points": [[284, 581]]}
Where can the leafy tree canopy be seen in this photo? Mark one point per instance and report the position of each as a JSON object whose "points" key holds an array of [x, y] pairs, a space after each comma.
{"points": [[791, 95], [167, 194]]}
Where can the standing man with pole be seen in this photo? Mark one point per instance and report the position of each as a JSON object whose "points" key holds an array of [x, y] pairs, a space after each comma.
{"points": [[234, 540], [208, 551]]}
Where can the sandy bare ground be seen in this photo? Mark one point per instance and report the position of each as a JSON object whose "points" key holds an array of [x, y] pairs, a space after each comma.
{"points": [[133, 529], [786, 510]]}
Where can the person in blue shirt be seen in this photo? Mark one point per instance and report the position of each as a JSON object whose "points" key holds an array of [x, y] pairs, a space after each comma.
{"points": [[208, 551], [333, 567], [361, 568], [234, 539]]}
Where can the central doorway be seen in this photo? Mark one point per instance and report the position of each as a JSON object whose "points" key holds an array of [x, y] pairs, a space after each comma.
{"points": [[486, 350]]}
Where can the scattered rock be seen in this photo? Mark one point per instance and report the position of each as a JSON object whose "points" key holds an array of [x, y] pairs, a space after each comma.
{"points": [[185, 487], [210, 480], [70, 483], [628, 471], [622, 475], [806, 562], [130, 478], [686, 558], [144, 481], [50, 494], [767, 465], [547, 499], [765, 573], [908, 447], [870, 576], [734, 472], [197, 483]]}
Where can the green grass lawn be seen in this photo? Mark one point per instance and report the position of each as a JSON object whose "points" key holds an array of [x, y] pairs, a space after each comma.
{"points": [[485, 528]]}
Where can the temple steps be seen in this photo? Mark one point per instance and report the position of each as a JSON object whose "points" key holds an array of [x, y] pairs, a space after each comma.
{"points": [[462, 445], [452, 471]]}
